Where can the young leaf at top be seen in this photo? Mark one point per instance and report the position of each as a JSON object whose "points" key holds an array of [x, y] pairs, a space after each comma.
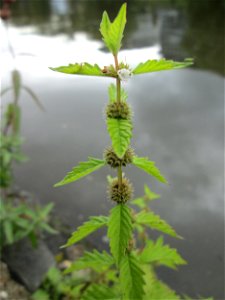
{"points": [[112, 32], [119, 230], [149, 167], [155, 222], [162, 254], [160, 65], [94, 260], [131, 278], [83, 169], [82, 69], [99, 292], [112, 93], [85, 229], [120, 131]]}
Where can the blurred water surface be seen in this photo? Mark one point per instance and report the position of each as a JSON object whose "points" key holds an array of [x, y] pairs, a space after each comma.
{"points": [[178, 117]]}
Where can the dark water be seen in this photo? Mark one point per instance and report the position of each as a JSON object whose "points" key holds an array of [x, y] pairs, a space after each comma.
{"points": [[178, 118]]}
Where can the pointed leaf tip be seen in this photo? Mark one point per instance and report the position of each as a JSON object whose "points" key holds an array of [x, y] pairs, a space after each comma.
{"points": [[112, 32], [83, 169], [149, 167]]}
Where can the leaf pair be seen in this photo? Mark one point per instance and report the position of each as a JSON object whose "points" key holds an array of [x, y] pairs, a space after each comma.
{"points": [[93, 164]]}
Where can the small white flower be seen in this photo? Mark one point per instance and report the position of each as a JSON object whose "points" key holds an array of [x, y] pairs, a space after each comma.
{"points": [[124, 74]]}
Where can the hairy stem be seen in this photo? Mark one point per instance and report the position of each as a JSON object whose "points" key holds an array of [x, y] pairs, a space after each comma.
{"points": [[118, 94]]}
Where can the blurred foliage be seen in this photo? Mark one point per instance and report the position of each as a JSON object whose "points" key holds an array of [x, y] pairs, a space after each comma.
{"points": [[18, 221], [18, 218]]}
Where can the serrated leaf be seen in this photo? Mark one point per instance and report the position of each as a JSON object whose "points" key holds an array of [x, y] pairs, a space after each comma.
{"points": [[113, 94], [162, 254], [160, 65], [34, 97], [86, 228], [131, 278], [149, 167], [156, 289], [95, 260], [112, 32], [82, 69], [150, 194], [99, 292], [154, 221], [120, 131], [83, 169], [119, 231]]}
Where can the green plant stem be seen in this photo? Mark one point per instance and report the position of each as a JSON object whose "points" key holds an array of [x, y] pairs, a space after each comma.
{"points": [[118, 94]]}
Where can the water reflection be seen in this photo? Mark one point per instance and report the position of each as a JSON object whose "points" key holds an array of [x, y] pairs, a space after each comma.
{"points": [[183, 28]]}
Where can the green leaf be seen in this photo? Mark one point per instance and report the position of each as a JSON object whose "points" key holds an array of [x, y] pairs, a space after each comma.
{"points": [[161, 254], [8, 230], [119, 230], [82, 69], [83, 169], [113, 94], [112, 33], [120, 131], [48, 228], [131, 278], [86, 228], [45, 211], [40, 294], [149, 194], [156, 289], [160, 65], [16, 79], [149, 167], [155, 222], [139, 202], [54, 276], [99, 292], [94, 260], [13, 116], [5, 90], [34, 97]]}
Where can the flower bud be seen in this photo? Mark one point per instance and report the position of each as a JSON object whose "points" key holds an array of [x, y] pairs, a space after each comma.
{"points": [[120, 194], [114, 161], [118, 110]]}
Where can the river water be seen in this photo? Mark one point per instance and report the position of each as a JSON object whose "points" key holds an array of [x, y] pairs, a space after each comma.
{"points": [[178, 118]]}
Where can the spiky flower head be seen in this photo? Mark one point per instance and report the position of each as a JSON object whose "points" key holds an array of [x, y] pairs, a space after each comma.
{"points": [[118, 110], [120, 193], [114, 161]]}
